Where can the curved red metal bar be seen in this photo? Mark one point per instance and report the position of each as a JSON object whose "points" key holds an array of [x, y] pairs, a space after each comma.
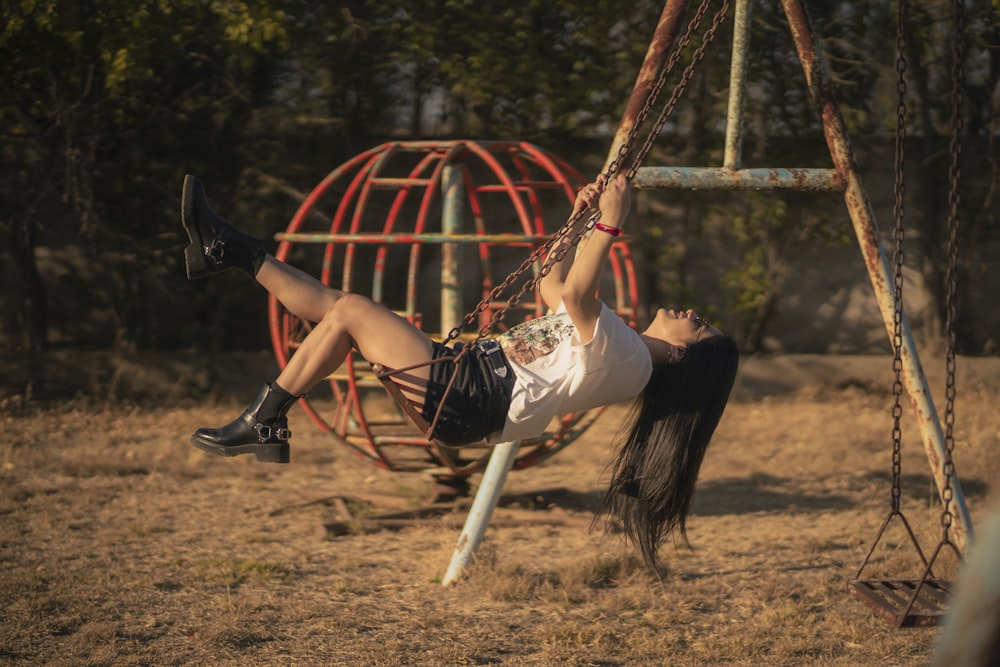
{"points": [[410, 174]]}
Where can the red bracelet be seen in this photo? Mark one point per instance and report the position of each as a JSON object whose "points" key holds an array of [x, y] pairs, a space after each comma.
{"points": [[614, 231]]}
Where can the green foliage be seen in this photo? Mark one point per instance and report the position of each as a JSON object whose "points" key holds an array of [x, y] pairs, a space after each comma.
{"points": [[503, 70], [772, 229], [750, 283], [106, 105]]}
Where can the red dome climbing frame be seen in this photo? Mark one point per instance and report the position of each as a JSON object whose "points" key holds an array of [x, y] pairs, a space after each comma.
{"points": [[428, 229]]}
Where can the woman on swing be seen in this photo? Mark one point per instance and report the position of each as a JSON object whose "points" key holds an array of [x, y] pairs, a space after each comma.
{"points": [[679, 371]]}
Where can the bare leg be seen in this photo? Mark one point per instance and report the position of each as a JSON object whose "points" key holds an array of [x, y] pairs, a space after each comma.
{"points": [[344, 320], [302, 294]]}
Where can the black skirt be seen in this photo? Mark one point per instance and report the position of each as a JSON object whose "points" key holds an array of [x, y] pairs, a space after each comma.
{"points": [[476, 405]]}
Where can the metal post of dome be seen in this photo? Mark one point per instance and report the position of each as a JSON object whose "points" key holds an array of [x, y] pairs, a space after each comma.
{"points": [[452, 192]]}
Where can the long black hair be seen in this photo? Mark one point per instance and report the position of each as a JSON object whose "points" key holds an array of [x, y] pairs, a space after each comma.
{"points": [[669, 427]]}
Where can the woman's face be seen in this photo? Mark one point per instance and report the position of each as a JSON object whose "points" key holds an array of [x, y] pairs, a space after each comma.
{"points": [[680, 328]]}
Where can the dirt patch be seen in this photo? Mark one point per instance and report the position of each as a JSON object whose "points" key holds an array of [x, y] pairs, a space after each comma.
{"points": [[122, 545]]}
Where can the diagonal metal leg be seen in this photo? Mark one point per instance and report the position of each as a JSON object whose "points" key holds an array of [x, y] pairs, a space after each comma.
{"points": [[482, 509], [860, 209]]}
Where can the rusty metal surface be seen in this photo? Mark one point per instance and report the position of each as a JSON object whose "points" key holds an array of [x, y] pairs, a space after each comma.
{"points": [[865, 228], [375, 238], [737, 85], [708, 178], [890, 599], [656, 56]]}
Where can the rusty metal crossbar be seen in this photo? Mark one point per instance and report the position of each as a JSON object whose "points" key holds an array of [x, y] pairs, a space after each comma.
{"points": [[905, 603], [725, 178]]}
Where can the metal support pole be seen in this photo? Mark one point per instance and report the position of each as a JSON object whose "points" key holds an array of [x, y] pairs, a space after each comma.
{"points": [[453, 196], [879, 270], [655, 59], [482, 509], [737, 79], [502, 458]]}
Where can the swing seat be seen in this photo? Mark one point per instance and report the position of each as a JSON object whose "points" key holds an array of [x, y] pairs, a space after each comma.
{"points": [[893, 599]]}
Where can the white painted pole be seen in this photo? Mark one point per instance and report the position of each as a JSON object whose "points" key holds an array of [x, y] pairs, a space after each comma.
{"points": [[486, 500], [452, 193]]}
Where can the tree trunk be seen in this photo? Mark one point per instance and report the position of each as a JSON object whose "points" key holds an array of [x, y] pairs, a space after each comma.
{"points": [[28, 321]]}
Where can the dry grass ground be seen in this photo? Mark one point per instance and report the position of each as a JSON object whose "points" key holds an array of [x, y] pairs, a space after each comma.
{"points": [[122, 545]]}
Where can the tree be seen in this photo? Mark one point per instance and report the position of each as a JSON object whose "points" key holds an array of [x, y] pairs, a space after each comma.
{"points": [[503, 70], [103, 105], [106, 105]]}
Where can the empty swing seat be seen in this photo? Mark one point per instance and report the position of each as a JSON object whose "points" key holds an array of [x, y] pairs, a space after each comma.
{"points": [[894, 601]]}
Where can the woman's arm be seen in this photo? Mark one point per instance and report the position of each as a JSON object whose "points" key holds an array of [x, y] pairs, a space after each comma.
{"points": [[552, 284], [577, 279]]}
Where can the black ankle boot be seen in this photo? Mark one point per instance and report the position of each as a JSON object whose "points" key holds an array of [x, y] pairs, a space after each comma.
{"points": [[215, 244], [262, 429]]}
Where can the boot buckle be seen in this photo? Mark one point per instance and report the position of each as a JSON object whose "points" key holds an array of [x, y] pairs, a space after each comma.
{"points": [[265, 432], [216, 251]]}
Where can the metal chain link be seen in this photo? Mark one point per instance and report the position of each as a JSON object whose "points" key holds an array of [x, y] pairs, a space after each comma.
{"points": [[556, 256], [696, 57], [553, 258], [898, 235], [951, 276]]}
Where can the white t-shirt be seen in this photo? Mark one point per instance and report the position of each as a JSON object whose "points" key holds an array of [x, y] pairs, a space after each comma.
{"points": [[557, 375]]}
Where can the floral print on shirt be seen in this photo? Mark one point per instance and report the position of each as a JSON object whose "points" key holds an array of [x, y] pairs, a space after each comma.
{"points": [[536, 338]]}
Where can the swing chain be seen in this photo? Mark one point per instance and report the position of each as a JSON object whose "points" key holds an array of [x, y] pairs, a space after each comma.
{"points": [[555, 256], [686, 75], [497, 291], [545, 250], [696, 57], [898, 236], [951, 280], [654, 94]]}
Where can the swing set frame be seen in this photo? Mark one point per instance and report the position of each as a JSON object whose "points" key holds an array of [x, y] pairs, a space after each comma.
{"points": [[844, 177], [923, 601]]}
